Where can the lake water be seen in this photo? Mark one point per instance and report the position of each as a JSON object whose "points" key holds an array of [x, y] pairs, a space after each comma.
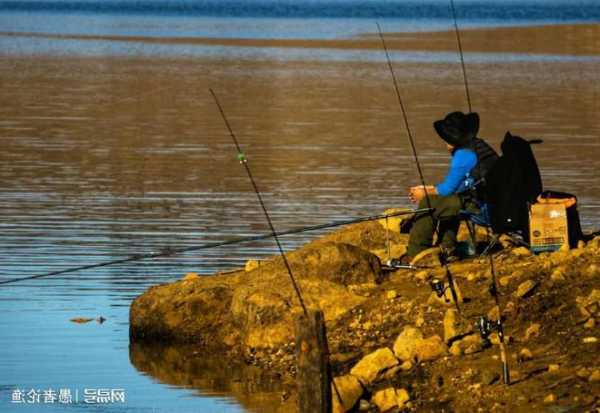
{"points": [[115, 148]]}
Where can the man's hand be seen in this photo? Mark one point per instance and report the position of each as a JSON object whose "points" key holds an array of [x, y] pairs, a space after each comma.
{"points": [[416, 193]]}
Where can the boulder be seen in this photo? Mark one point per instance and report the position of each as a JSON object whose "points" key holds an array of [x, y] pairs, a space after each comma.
{"points": [[405, 346], [257, 308], [350, 390], [373, 365], [430, 349], [468, 345]]}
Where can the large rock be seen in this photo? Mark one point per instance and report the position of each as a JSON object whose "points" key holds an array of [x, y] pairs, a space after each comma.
{"points": [[255, 308], [405, 346], [349, 391], [430, 349], [372, 366]]}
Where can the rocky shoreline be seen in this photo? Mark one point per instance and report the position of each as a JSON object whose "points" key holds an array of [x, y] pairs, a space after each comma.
{"points": [[395, 345]]}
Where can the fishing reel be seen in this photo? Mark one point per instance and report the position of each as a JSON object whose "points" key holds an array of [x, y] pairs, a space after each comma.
{"points": [[486, 327], [438, 287]]}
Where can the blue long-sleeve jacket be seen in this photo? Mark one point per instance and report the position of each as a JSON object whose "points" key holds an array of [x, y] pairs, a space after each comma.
{"points": [[461, 164]]}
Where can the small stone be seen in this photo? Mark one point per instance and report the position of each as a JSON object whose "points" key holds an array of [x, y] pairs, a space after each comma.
{"points": [[191, 276], [532, 331], [402, 397], [590, 340], [419, 321], [591, 323], [385, 399], [525, 289], [364, 405], [494, 313], [390, 398], [373, 365], [558, 275], [349, 389], [551, 398], [592, 271], [583, 373], [553, 368], [525, 354], [252, 265], [406, 343], [391, 373], [581, 244], [594, 377], [521, 252], [504, 281], [391, 294], [406, 366]]}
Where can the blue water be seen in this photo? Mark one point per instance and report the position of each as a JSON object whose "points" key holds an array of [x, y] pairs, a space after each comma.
{"points": [[70, 193], [255, 19]]}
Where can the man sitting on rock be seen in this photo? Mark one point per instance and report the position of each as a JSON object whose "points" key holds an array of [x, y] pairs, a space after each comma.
{"points": [[471, 159]]}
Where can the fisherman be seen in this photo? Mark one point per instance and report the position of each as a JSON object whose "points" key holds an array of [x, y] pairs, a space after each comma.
{"points": [[471, 159]]}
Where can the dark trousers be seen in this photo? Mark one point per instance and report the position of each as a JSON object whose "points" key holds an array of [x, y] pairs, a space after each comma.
{"points": [[446, 209]]}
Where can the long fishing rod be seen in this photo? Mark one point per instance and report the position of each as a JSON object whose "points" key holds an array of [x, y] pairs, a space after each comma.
{"points": [[171, 252], [462, 58], [414, 151], [244, 161], [485, 326]]}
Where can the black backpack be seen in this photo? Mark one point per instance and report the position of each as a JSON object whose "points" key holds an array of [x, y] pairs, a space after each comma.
{"points": [[511, 185]]}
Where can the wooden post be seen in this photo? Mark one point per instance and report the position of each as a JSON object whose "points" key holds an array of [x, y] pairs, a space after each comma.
{"points": [[313, 376]]}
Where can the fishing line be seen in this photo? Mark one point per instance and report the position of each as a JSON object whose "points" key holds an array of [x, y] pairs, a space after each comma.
{"points": [[414, 150]]}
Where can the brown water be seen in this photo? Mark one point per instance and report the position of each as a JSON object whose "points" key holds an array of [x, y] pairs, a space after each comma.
{"points": [[105, 158]]}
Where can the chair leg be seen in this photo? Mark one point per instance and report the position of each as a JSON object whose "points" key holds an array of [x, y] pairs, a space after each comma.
{"points": [[490, 246]]}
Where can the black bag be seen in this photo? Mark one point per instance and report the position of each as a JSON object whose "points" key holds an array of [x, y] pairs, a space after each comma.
{"points": [[512, 184]]}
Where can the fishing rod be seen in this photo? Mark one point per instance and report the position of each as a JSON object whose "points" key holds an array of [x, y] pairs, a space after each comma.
{"points": [[420, 171], [462, 58], [485, 326], [244, 162], [172, 252]]}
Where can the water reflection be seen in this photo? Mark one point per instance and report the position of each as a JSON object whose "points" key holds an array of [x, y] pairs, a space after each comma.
{"points": [[183, 366]]}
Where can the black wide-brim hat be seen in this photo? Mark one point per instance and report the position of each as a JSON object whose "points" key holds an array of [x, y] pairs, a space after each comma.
{"points": [[458, 129]]}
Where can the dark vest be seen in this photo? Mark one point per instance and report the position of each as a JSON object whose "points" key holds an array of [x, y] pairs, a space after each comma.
{"points": [[486, 158]]}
